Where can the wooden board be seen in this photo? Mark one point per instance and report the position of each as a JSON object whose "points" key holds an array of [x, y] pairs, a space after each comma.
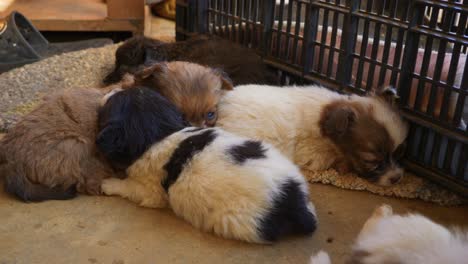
{"points": [[59, 9], [82, 15]]}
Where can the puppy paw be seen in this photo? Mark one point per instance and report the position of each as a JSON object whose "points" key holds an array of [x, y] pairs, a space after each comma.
{"points": [[110, 186], [320, 258], [383, 211]]}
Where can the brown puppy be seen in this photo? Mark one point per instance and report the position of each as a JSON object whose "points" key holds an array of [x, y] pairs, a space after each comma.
{"points": [[194, 89], [243, 65], [51, 152]]}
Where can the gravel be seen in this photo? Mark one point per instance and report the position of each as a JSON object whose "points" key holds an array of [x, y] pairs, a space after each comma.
{"points": [[22, 88]]}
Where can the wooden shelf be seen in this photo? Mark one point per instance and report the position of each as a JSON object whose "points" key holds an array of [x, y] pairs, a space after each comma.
{"points": [[82, 15]]}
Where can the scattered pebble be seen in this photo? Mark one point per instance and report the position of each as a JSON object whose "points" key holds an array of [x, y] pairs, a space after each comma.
{"points": [[22, 88]]}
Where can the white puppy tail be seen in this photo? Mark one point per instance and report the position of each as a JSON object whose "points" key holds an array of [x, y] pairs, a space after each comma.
{"points": [[320, 258]]}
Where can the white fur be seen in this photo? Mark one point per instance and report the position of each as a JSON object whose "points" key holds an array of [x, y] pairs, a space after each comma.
{"points": [[412, 238], [320, 258], [288, 118], [213, 192], [408, 239]]}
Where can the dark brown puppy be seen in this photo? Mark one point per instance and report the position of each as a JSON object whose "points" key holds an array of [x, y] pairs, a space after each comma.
{"points": [[51, 152], [194, 89], [241, 64]]}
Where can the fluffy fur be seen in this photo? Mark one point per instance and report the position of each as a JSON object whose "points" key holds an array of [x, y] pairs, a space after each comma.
{"points": [[122, 135], [242, 65], [320, 129], [194, 89], [50, 153], [221, 183], [412, 238]]}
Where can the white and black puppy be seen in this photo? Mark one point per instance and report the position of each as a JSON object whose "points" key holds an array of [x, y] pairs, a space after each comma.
{"points": [[412, 238], [321, 129], [232, 186]]}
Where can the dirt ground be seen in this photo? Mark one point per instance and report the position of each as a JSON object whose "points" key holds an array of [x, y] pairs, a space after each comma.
{"points": [[113, 230]]}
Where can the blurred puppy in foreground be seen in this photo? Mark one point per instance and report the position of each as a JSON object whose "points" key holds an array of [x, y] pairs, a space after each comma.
{"points": [[407, 239], [232, 186]]}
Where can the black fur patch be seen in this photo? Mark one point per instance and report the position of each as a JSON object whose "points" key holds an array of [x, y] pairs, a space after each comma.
{"points": [[289, 214], [132, 121], [184, 153], [250, 149]]}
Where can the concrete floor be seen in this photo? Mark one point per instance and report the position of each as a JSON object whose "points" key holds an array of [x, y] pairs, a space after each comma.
{"points": [[113, 230]]}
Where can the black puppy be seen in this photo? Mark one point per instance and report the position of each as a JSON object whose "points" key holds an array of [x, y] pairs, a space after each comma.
{"points": [[115, 124], [241, 64]]}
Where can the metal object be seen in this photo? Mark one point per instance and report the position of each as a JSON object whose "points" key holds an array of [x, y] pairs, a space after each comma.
{"points": [[418, 46]]}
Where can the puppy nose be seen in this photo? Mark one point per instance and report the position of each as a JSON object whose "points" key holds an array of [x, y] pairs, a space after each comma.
{"points": [[395, 179]]}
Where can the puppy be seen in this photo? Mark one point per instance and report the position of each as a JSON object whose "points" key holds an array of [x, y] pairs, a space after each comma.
{"points": [[321, 129], [232, 186], [412, 238], [194, 89], [241, 64], [51, 154]]}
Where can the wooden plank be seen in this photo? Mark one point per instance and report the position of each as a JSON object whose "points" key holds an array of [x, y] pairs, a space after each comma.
{"points": [[59, 9], [124, 9], [83, 15]]}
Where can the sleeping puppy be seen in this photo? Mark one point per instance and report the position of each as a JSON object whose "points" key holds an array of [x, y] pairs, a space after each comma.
{"points": [[412, 238], [321, 129], [50, 153], [194, 89], [241, 64], [232, 186]]}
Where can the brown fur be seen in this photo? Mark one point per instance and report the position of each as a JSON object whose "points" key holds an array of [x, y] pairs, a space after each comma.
{"points": [[241, 64], [194, 89], [51, 151]]}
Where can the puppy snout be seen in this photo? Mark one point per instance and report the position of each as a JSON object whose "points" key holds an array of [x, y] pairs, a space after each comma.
{"points": [[391, 177], [395, 179]]}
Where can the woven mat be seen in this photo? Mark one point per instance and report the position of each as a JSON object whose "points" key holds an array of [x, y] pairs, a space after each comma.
{"points": [[20, 90]]}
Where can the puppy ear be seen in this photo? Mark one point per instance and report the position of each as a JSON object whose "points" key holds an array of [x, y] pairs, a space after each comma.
{"points": [[337, 120], [148, 71], [387, 93], [226, 82]]}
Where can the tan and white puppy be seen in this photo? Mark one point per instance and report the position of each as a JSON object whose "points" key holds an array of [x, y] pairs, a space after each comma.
{"points": [[412, 238], [321, 129], [219, 182]]}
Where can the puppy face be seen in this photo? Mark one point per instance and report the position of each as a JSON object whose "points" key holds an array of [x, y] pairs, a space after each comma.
{"points": [[369, 147], [194, 89], [131, 120]]}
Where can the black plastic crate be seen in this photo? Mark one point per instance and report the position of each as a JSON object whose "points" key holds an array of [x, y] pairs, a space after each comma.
{"points": [[418, 46]]}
